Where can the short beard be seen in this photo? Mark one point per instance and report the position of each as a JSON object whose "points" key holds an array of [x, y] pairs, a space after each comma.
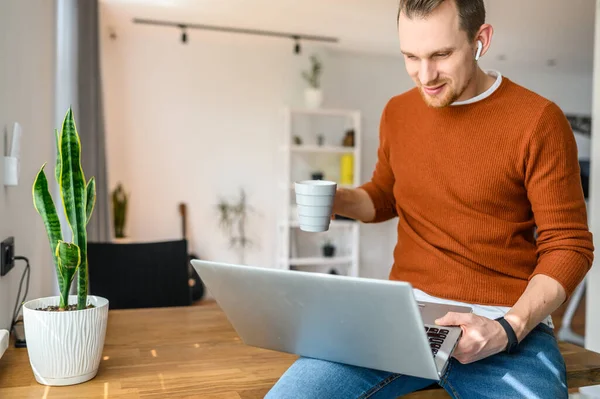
{"points": [[449, 95]]}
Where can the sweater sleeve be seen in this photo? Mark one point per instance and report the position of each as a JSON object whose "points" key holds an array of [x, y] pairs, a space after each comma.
{"points": [[553, 183], [381, 186]]}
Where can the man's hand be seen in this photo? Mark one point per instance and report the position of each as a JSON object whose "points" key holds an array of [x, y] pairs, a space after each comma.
{"points": [[481, 337], [354, 203]]}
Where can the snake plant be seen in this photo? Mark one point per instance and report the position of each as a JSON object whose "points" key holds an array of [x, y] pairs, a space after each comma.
{"points": [[78, 199]]}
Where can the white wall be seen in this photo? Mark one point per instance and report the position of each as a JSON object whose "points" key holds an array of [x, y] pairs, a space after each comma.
{"points": [[26, 96], [192, 122], [592, 325]]}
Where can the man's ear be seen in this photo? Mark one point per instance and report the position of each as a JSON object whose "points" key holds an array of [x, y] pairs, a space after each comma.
{"points": [[483, 40]]}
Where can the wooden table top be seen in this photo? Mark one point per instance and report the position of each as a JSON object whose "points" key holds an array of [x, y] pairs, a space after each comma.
{"points": [[193, 352]]}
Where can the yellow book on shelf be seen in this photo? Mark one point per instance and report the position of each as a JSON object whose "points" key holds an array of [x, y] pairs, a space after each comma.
{"points": [[347, 169]]}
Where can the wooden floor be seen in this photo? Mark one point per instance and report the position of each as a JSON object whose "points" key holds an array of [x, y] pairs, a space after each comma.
{"points": [[193, 352]]}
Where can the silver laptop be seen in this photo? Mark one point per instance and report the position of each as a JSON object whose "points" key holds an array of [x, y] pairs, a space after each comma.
{"points": [[364, 322]]}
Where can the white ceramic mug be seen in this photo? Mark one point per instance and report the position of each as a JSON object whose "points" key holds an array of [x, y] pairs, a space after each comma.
{"points": [[315, 204]]}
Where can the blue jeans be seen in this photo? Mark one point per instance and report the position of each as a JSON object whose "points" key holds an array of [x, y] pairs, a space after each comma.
{"points": [[536, 371]]}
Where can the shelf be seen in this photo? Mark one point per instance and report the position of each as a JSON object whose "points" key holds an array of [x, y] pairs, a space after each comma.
{"points": [[334, 223], [300, 160], [293, 186], [325, 112], [318, 261], [347, 185], [322, 149]]}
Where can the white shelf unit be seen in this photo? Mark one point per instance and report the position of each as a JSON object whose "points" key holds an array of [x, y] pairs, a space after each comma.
{"points": [[322, 149], [320, 261], [302, 250]]}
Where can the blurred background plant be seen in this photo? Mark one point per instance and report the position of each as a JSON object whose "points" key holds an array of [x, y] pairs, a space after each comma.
{"points": [[233, 217], [119, 202]]}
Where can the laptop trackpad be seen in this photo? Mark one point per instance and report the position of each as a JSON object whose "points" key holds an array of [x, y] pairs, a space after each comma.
{"points": [[432, 311]]}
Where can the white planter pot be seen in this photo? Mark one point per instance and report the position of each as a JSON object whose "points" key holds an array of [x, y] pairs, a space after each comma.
{"points": [[313, 97], [65, 348]]}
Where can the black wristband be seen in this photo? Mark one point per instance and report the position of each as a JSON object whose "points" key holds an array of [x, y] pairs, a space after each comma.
{"points": [[513, 342]]}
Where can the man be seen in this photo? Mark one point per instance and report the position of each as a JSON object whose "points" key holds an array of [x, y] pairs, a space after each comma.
{"points": [[484, 178]]}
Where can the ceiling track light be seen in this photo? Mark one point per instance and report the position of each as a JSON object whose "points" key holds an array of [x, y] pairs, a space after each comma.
{"points": [[294, 36], [184, 36], [297, 48]]}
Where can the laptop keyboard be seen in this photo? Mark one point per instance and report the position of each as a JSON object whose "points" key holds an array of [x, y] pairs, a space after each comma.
{"points": [[436, 337]]}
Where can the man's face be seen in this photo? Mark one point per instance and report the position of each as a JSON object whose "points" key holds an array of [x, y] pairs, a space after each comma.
{"points": [[438, 55]]}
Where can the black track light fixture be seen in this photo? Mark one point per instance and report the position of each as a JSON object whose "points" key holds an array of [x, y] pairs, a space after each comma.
{"points": [[184, 26], [184, 36], [297, 48]]}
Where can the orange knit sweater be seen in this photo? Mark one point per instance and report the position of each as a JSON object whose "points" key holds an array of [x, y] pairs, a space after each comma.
{"points": [[471, 184]]}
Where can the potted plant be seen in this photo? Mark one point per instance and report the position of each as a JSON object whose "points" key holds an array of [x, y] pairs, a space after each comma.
{"points": [[313, 95], [328, 249], [119, 202], [65, 333], [317, 175], [232, 219]]}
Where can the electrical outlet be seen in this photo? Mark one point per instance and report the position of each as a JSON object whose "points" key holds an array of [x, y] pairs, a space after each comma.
{"points": [[7, 255]]}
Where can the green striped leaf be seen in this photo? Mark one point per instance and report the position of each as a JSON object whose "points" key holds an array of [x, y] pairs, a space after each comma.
{"points": [[90, 198], [73, 192], [68, 255], [57, 167], [69, 259], [44, 205]]}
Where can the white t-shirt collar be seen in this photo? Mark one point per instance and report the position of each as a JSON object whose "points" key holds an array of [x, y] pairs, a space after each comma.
{"points": [[486, 93]]}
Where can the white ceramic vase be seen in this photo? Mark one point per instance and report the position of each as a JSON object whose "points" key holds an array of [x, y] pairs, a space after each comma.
{"points": [[313, 97], [65, 348]]}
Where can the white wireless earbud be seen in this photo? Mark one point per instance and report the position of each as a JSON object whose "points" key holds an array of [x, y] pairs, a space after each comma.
{"points": [[479, 47]]}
